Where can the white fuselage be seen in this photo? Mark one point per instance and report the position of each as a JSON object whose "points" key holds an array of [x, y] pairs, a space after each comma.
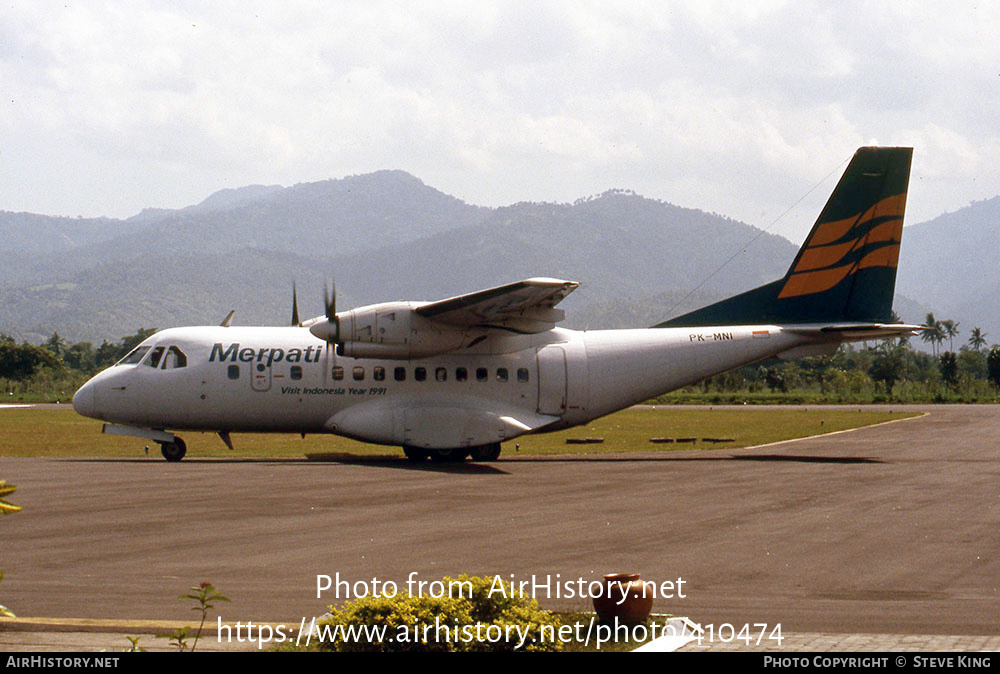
{"points": [[236, 379]]}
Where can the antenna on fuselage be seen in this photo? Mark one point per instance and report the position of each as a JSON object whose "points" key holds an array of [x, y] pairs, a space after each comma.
{"points": [[295, 308], [228, 319]]}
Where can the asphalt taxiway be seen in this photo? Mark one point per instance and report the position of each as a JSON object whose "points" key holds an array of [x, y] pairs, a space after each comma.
{"points": [[890, 529]]}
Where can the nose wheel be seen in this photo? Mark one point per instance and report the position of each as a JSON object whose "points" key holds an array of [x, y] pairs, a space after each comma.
{"points": [[173, 451]]}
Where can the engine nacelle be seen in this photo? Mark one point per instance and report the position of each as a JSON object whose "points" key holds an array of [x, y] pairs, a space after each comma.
{"points": [[392, 330]]}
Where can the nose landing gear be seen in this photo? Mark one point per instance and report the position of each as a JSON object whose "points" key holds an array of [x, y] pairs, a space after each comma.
{"points": [[173, 451]]}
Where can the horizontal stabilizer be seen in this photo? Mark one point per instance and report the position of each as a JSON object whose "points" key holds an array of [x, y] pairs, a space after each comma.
{"points": [[857, 331]]}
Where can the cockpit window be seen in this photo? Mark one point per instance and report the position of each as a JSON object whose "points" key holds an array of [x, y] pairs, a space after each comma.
{"points": [[175, 358], [154, 358], [135, 356]]}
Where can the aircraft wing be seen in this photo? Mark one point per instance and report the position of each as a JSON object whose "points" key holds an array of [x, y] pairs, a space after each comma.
{"points": [[526, 306]]}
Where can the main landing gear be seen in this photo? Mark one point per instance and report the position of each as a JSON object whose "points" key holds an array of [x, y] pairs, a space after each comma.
{"points": [[173, 451], [490, 452]]}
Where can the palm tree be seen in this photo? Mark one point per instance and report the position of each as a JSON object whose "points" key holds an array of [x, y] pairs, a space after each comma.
{"points": [[977, 339], [934, 334], [949, 328]]}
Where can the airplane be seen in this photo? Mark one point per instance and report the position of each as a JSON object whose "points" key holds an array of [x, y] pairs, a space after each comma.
{"points": [[453, 379]]}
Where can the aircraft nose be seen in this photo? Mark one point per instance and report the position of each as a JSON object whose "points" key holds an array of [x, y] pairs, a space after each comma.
{"points": [[84, 400]]}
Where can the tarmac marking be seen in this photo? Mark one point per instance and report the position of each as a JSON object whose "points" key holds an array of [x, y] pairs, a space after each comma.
{"points": [[831, 433]]}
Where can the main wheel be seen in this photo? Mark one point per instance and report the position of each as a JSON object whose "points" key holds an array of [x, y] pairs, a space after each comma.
{"points": [[489, 452], [173, 451], [415, 454], [448, 455]]}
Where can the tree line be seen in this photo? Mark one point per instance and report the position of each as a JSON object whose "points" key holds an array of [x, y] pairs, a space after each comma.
{"points": [[22, 361], [890, 370], [886, 371], [55, 369]]}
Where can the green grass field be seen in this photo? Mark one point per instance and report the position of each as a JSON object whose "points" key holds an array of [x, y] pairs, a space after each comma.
{"points": [[63, 433]]}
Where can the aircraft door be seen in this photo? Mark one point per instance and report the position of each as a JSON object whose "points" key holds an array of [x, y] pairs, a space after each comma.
{"points": [[552, 380], [260, 379]]}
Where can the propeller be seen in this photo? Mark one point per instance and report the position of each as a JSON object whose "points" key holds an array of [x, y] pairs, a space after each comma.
{"points": [[328, 330]]}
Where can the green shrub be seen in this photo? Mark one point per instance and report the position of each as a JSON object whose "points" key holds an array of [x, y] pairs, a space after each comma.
{"points": [[470, 618]]}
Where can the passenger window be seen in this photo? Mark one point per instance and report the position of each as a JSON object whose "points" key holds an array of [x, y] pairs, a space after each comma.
{"points": [[378, 373], [420, 373], [135, 356], [338, 373], [482, 374], [296, 372], [441, 374], [234, 371], [501, 374], [399, 374], [174, 359], [461, 374], [358, 373], [154, 358], [522, 374]]}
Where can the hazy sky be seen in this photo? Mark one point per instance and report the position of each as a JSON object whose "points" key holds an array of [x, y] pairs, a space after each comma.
{"points": [[734, 107]]}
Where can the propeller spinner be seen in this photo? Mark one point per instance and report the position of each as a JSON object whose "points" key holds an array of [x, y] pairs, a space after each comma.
{"points": [[329, 329]]}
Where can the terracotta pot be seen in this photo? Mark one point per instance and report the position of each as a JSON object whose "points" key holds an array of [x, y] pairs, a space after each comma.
{"points": [[633, 610]]}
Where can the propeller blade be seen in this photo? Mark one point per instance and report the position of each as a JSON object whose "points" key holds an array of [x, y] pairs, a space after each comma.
{"points": [[295, 307], [330, 330], [330, 301]]}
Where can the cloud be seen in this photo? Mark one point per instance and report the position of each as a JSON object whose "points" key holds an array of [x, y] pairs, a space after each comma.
{"points": [[736, 108]]}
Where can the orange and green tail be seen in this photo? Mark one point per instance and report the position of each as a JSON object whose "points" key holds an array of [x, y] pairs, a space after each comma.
{"points": [[846, 270]]}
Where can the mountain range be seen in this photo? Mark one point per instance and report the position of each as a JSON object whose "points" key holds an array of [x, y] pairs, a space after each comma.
{"points": [[387, 236]]}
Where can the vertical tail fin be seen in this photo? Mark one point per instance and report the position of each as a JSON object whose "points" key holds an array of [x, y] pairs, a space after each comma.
{"points": [[846, 269]]}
